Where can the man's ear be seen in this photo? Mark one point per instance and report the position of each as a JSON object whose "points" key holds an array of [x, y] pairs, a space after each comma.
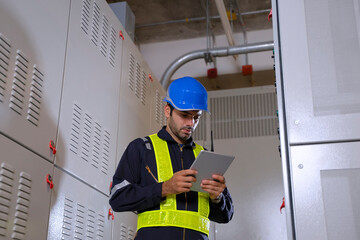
{"points": [[167, 110]]}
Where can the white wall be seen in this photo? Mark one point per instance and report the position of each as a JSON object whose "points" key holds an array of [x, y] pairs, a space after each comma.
{"points": [[255, 183], [160, 55]]}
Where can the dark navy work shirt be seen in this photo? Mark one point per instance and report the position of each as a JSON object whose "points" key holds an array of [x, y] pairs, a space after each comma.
{"points": [[135, 189]]}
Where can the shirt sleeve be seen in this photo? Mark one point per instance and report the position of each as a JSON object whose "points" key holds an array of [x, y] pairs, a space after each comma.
{"points": [[223, 211], [130, 191]]}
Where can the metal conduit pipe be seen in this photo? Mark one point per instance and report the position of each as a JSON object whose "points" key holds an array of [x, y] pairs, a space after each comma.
{"points": [[215, 52]]}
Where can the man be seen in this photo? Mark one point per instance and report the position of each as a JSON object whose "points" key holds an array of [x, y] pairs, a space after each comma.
{"points": [[153, 177]]}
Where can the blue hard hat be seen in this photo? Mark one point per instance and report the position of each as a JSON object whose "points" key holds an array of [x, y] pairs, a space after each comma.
{"points": [[186, 94]]}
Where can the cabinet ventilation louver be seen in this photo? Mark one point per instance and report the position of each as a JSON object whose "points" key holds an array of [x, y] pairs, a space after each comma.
{"points": [[75, 129], [123, 232], [106, 153], [100, 226], [6, 184], [27, 82], [85, 16], [104, 35], [22, 206], [131, 233], [80, 222], [160, 119], [5, 51], [36, 90], [17, 97], [68, 218], [112, 48], [143, 88], [96, 145], [98, 28], [90, 230], [87, 141], [137, 79], [131, 81], [95, 27], [90, 138], [126, 233]]}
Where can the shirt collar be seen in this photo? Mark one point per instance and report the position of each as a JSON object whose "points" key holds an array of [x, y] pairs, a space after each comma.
{"points": [[163, 134]]}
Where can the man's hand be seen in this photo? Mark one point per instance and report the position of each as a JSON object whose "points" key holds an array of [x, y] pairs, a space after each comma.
{"points": [[180, 182], [214, 186]]}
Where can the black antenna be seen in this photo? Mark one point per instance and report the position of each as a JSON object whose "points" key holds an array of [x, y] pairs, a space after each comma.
{"points": [[212, 141]]}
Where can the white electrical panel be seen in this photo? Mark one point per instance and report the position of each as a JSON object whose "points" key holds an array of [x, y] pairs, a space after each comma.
{"points": [[77, 210], [24, 192], [157, 117], [90, 100], [124, 225], [32, 53], [135, 101], [317, 69], [73, 85], [326, 185], [320, 61]]}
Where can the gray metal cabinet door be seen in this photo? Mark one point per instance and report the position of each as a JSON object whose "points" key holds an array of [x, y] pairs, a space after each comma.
{"points": [[157, 95], [326, 186], [90, 99], [320, 60], [24, 192], [124, 226], [32, 52], [134, 112], [77, 210]]}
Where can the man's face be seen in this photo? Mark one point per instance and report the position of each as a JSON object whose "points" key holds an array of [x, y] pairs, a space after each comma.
{"points": [[181, 124]]}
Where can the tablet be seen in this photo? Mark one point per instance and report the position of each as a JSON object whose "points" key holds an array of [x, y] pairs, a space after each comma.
{"points": [[209, 163]]}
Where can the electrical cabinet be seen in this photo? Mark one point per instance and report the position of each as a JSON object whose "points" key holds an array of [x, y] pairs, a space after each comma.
{"points": [[317, 67], [320, 61], [135, 101], [90, 100], [72, 85], [32, 54], [79, 211], [326, 182], [24, 192], [124, 226], [157, 117]]}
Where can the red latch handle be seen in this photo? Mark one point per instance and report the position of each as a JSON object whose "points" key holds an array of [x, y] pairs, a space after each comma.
{"points": [[121, 35], [49, 181], [111, 214], [52, 146], [282, 205], [270, 15], [150, 77]]}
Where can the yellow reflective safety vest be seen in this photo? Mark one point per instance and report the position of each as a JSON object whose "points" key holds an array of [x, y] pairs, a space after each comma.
{"points": [[168, 215]]}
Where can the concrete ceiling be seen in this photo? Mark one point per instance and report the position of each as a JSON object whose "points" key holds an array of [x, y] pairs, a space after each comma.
{"points": [[164, 20]]}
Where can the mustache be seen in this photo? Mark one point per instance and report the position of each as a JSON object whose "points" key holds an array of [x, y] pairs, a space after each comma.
{"points": [[188, 128]]}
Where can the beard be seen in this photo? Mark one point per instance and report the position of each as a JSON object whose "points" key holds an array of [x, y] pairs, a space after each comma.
{"points": [[178, 132]]}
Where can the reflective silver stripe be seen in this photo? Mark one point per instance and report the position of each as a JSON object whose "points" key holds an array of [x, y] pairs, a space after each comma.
{"points": [[147, 144], [118, 186]]}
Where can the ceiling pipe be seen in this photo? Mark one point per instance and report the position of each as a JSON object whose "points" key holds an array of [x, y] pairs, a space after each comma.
{"points": [[215, 52]]}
